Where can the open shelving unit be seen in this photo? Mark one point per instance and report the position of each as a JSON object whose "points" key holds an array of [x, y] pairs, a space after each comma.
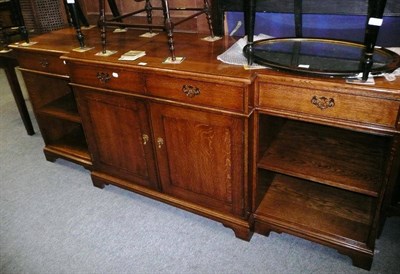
{"points": [[321, 183], [332, 214], [63, 108], [300, 147], [69, 149], [62, 127], [58, 118]]}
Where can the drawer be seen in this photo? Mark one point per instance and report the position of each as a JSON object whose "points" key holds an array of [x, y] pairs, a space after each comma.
{"points": [[45, 62], [329, 104], [107, 77], [197, 92]]}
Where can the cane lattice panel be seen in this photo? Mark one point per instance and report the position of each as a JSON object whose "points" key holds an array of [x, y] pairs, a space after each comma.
{"points": [[50, 14], [43, 15]]}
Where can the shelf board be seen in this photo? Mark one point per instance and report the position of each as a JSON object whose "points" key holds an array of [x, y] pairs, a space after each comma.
{"points": [[317, 211], [337, 157], [64, 108], [71, 146]]}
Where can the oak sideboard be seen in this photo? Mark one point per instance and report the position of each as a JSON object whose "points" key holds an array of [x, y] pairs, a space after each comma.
{"points": [[257, 150]]}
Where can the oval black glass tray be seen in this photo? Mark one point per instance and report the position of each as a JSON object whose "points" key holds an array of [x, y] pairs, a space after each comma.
{"points": [[324, 57]]}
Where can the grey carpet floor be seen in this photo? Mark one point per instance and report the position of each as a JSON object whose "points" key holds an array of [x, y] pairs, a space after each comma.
{"points": [[52, 220]]}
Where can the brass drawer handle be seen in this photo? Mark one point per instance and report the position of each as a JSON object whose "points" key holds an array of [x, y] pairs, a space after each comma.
{"points": [[44, 63], [104, 77], [323, 102], [190, 90]]}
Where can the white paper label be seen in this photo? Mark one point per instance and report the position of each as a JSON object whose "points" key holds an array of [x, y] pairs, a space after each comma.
{"points": [[71, 1], [375, 21]]}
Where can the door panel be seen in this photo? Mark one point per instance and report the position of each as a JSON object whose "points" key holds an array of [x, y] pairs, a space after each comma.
{"points": [[117, 129], [201, 157]]}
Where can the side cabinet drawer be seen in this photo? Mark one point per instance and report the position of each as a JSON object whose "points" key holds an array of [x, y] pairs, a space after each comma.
{"points": [[45, 62], [197, 92], [329, 104], [107, 77]]}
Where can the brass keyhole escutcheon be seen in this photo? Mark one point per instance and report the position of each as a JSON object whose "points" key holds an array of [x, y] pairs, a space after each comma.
{"points": [[145, 139], [160, 142]]}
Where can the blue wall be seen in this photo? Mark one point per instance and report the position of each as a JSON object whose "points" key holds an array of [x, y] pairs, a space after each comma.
{"points": [[327, 26]]}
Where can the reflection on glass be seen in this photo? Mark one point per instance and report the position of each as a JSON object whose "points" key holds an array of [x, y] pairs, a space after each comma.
{"points": [[320, 56]]}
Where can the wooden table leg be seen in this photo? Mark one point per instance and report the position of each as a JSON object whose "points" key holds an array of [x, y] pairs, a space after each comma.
{"points": [[73, 10], [249, 25], [9, 67], [375, 15], [169, 27]]}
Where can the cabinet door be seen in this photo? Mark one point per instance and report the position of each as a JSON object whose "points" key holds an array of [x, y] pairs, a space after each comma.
{"points": [[200, 156], [118, 135]]}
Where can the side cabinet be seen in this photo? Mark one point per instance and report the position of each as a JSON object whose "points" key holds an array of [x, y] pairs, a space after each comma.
{"points": [[47, 82], [324, 162]]}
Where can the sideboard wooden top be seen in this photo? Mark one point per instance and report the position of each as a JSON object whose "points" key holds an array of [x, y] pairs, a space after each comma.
{"points": [[200, 58]]}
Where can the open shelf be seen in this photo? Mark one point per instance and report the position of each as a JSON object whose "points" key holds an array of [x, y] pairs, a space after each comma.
{"points": [[63, 108], [317, 211], [337, 157], [71, 146]]}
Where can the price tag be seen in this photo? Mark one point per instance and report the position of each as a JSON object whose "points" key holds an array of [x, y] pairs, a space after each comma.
{"points": [[373, 21]]}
